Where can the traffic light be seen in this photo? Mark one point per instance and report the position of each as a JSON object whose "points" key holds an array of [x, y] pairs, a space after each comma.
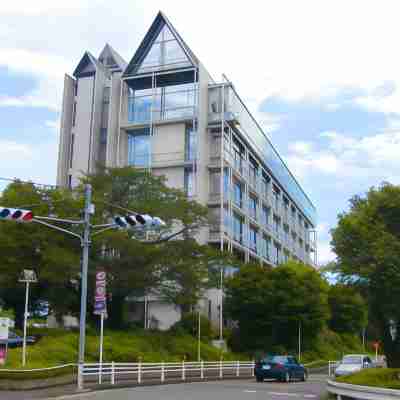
{"points": [[15, 214], [138, 221]]}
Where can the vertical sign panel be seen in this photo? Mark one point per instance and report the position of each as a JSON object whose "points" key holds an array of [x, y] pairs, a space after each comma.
{"points": [[100, 296]]}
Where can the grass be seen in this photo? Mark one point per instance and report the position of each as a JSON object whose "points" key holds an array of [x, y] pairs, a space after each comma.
{"points": [[58, 347], [378, 377]]}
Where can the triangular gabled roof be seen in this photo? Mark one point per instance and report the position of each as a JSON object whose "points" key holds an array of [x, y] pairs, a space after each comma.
{"points": [[87, 66], [111, 59], [159, 22]]}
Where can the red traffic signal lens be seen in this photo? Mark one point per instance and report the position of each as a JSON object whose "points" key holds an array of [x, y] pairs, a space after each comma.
{"points": [[28, 216]]}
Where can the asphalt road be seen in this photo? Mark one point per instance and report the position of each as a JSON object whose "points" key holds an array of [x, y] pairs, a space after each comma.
{"points": [[246, 389]]}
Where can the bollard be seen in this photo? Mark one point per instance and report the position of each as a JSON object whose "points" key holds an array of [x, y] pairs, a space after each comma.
{"points": [[202, 369], [112, 373], [80, 376], [183, 368], [220, 368], [253, 365], [139, 373], [237, 368]]}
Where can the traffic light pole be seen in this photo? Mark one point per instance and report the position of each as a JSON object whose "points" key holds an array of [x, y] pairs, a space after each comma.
{"points": [[85, 264]]}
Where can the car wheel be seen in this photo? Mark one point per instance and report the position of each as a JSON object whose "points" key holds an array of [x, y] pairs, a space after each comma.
{"points": [[304, 377], [259, 378]]}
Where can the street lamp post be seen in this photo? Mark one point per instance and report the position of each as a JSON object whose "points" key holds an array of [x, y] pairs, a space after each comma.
{"points": [[28, 276]]}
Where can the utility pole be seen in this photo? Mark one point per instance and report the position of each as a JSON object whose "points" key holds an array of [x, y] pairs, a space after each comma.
{"points": [[85, 264]]}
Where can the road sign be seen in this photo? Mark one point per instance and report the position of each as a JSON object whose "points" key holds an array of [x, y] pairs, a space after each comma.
{"points": [[100, 296], [376, 345]]}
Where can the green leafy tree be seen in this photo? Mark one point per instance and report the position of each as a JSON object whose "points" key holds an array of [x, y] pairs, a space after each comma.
{"points": [[367, 243], [175, 269], [54, 257], [269, 305], [349, 311]]}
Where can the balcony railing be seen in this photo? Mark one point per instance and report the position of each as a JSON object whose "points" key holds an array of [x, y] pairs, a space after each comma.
{"points": [[164, 105], [236, 112]]}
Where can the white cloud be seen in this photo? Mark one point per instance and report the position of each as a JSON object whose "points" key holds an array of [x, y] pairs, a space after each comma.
{"points": [[325, 253], [25, 161], [10, 150], [368, 158], [54, 125], [47, 70], [290, 49], [42, 7]]}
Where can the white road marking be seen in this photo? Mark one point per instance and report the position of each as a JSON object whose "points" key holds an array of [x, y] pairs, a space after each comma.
{"points": [[250, 391], [310, 396], [283, 394]]}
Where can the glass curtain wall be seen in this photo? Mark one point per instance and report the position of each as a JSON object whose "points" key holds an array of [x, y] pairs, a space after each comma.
{"points": [[162, 103], [139, 147]]}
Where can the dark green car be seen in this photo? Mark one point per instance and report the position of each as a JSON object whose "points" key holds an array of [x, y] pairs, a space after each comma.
{"points": [[282, 368]]}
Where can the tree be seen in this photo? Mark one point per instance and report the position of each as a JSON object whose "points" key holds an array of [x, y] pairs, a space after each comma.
{"points": [[175, 269], [366, 241], [269, 305], [349, 312], [55, 257]]}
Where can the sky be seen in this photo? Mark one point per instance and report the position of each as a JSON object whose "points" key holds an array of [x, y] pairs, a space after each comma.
{"points": [[322, 77]]}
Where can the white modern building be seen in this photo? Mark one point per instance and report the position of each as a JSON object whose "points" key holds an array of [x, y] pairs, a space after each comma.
{"points": [[164, 112]]}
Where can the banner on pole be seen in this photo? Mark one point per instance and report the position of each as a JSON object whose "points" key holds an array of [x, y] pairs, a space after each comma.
{"points": [[100, 296]]}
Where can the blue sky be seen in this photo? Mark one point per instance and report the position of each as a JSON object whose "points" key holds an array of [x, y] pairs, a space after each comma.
{"points": [[322, 78]]}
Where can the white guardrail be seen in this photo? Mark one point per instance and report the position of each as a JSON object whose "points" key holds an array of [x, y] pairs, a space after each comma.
{"points": [[162, 372], [361, 392]]}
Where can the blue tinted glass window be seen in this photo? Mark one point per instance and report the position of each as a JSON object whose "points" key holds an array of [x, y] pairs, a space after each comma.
{"points": [[139, 148], [190, 144], [237, 228], [237, 194], [253, 207], [253, 238], [189, 182], [226, 181], [266, 212]]}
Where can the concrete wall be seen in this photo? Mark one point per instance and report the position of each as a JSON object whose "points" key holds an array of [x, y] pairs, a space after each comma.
{"points": [[113, 121], [65, 131], [168, 144], [100, 83], [82, 128]]}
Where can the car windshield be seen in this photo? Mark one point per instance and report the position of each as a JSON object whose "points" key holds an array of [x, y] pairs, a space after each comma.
{"points": [[276, 359], [352, 360]]}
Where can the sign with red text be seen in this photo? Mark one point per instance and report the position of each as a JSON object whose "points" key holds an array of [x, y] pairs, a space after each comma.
{"points": [[100, 295]]}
